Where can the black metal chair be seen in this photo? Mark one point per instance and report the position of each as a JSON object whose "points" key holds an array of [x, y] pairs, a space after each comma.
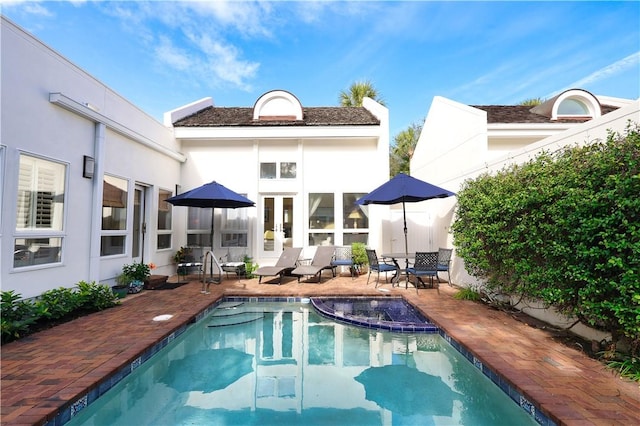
{"points": [[378, 265], [344, 257], [425, 265], [444, 260]]}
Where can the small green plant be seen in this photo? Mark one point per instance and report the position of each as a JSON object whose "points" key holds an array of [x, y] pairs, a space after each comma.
{"points": [[467, 293], [17, 315], [249, 266], [184, 254], [95, 297], [58, 302], [21, 317], [359, 253], [137, 271], [626, 366]]}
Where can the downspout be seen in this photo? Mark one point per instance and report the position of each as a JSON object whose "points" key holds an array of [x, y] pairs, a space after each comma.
{"points": [[95, 234]]}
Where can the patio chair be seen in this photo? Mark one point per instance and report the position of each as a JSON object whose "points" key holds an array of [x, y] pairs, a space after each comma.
{"points": [[190, 261], [425, 265], [444, 260], [285, 264], [344, 257], [379, 265], [321, 261]]}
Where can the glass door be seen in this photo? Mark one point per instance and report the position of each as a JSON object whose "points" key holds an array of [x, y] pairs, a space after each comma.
{"points": [[139, 224], [277, 225]]}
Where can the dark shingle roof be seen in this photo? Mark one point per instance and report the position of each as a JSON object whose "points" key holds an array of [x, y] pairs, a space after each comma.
{"points": [[313, 116], [523, 114]]}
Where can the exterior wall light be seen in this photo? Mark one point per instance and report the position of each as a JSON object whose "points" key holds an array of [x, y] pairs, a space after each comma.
{"points": [[88, 166]]}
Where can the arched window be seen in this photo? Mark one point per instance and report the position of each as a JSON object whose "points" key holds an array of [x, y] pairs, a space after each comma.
{"points": [[572, 107], [575, 104]]}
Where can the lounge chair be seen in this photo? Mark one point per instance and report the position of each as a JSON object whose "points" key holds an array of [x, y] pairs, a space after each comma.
{"points": [[378, 265], [344, 257], [425, 265], [321, 261], [286, 263], [444, 260]]}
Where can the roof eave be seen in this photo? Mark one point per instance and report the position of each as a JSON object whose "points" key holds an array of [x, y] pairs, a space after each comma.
{"points": [[269, 132]]}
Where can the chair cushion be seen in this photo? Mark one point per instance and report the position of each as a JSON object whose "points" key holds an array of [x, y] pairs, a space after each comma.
{"points": [[413, 271], [342, 262], [385, 268]]}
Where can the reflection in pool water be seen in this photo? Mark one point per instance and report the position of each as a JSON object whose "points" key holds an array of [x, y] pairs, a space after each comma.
{"points": [[282, 363]]}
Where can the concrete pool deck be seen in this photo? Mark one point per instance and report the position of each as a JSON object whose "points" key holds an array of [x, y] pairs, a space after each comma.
{"points": [[42, 373]]}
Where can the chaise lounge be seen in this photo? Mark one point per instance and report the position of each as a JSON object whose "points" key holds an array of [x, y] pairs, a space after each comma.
{"points": [[321, 261], [286, 263]]}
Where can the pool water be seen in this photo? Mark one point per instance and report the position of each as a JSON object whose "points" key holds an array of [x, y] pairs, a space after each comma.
{"points": [[274, 363]]}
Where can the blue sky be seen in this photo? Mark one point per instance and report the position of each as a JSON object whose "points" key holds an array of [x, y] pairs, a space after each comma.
{"points": [[161, 55]]}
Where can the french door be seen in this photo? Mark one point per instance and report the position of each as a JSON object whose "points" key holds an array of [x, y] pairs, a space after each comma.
{"points": [[277, 226], [139, 224]]}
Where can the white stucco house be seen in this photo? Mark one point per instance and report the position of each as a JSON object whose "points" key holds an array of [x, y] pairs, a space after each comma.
{"points": [[459, 142], [85, 174]]}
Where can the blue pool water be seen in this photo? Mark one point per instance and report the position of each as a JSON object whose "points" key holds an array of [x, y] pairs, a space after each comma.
{"points": [[275, 363]]}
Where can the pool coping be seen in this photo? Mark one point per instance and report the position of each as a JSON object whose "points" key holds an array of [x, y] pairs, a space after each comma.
{"points": [[70, 409]]}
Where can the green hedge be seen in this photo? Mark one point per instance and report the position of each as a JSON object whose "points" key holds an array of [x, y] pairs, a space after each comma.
{"points": [[21, 317], [563, 228]]}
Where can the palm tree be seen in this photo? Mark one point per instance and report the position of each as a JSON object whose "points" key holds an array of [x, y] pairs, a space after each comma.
{"points": [[532, 102], [357, 91], [401, 151]]}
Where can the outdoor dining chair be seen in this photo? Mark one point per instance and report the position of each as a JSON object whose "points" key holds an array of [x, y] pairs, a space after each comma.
{"points": [[379, 265], [444, 260], [425, 265], [344, 257]]}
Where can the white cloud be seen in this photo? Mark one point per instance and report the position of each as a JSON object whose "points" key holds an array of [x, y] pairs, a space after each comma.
{"points": [[610, 70], [223, 61], [28, 7], [172, 56]]}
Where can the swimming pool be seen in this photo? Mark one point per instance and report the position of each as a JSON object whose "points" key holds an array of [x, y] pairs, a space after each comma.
{"points": [[283, 363]]}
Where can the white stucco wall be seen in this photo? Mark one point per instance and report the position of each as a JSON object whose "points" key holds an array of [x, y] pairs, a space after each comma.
{"points": [[31, 124]]}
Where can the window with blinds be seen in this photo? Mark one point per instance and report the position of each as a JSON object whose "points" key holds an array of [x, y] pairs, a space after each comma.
{"points": [[39, 212], [40, 203]]}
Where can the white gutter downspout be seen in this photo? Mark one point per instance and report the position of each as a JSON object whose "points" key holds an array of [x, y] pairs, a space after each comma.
{"points": [[95, 234]]}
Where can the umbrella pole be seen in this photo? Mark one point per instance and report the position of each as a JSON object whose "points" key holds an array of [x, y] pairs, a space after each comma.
{"points": [[406, 244], [213, 211]]}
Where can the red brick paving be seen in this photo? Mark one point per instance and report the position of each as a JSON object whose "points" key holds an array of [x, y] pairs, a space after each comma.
{"points": [[42, 372]]}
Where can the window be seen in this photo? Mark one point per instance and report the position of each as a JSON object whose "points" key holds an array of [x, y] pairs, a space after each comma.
{"points": [[39, 211], [354, 216], [572, 107], [355, 220], [114, 216], [321, 217], [235, 226], [199, 227], [164, 220], [288, 170], [40, 202], [267, 170]]}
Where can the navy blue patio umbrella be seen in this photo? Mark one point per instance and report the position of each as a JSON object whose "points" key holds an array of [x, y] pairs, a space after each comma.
{"points": [[211, 195], [403, 189]]}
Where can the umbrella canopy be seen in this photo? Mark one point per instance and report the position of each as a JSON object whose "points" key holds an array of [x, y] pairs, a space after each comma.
{"points": [[406, 391], [404, 189], [212, 195], [208, 370]]}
